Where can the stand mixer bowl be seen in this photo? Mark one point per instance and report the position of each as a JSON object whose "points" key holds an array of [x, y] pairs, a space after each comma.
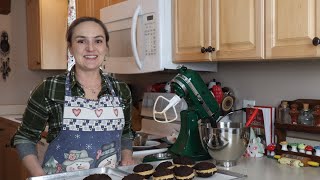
{"points": [[226, 143]]}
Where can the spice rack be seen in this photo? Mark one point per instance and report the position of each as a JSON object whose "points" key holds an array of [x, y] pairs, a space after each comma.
{"points": [[281, 129]]}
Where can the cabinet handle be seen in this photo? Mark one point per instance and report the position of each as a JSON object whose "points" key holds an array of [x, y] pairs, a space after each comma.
{"points": [[209, 49], [7, 145], [316, 41]]}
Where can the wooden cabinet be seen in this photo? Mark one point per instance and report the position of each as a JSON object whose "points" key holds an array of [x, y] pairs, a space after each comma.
{"points": [[11, 166], [5, 7], [291, 26], [92, 8], [240, 30], [46, 29], [192, 30], [234, 29]]}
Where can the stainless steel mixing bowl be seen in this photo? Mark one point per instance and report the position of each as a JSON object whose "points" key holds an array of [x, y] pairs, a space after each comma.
{"points": [[226, 143]]}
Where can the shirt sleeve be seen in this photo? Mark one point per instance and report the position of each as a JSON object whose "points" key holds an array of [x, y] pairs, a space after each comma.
{"points": [[34, 119], [125, 94]]}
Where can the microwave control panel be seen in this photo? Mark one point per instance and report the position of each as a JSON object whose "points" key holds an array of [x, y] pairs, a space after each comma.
{"points": [[150, 24]]}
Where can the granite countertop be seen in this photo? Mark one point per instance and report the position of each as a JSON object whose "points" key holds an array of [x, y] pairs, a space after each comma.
{"points": [[13, 117], [18, 119], [265, 169]]}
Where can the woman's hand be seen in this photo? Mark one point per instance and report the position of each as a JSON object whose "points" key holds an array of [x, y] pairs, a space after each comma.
{"points": [[31, 162], [126, 158]]}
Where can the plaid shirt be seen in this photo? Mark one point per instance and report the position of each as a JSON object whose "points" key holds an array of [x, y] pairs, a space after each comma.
{"points": [[45, 107]]}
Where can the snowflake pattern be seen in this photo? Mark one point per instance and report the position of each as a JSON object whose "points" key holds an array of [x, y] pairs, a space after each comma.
{"points": [[58, 147], [88, 146], [77, 136]]}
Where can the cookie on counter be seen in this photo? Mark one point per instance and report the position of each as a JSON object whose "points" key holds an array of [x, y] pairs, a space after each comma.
{"points": [[165, 165], [163, 174], [205, 169], [98, 177], [183, 173], [133, 177], [183, 161], [145, 170]]}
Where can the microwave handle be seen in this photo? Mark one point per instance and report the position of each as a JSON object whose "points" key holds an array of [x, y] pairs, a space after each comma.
{"points": [[133, 37]]}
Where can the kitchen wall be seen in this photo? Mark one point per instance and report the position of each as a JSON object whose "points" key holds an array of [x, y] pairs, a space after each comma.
{"points": [[16, 89], [267, 82]]}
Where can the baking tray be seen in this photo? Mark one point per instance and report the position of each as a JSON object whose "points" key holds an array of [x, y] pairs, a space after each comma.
{"points": [[226, 174], [115, 174], [221, 174]]}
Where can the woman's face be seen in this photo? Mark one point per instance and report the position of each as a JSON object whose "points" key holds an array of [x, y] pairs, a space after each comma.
{"points": [[88, 46]]}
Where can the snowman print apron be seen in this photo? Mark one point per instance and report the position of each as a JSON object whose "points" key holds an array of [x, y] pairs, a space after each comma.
{"points": [[90, 136]]}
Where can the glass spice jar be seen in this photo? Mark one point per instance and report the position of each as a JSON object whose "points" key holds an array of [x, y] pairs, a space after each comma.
{"points": [[306, 117], [316, 115], [294, 113], [284, 113]]}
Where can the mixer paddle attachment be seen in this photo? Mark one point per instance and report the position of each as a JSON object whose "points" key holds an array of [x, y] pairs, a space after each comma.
{"points": [[172, 104]]}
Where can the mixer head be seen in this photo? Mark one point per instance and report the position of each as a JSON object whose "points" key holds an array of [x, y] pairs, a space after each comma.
{"points": [[189, 85]]}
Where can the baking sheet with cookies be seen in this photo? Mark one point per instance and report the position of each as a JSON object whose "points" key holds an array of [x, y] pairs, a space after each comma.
{"points": [[221, 174], [115, 174]]}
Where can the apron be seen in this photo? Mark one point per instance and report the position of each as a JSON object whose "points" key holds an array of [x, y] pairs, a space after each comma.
{"points": [[90, 136]]}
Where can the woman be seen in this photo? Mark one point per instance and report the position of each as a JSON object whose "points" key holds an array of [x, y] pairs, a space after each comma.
{"points": [[87, 112]]}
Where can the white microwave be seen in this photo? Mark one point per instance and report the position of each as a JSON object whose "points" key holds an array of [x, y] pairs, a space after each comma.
{"points": [[141, 38]]}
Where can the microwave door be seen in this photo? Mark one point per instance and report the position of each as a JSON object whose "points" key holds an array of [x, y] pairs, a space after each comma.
{"points": [[121, 58]]}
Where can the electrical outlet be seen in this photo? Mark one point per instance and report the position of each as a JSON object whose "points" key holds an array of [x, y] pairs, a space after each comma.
{"points": [[248, 103]]}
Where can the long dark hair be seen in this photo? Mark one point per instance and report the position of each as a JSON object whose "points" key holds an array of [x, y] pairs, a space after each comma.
{"points": [[85, 19]]}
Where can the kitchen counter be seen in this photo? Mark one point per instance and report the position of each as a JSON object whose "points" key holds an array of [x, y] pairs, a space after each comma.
{"points": [[13, 117], [18, 119], [266, 169], [255, 168]]}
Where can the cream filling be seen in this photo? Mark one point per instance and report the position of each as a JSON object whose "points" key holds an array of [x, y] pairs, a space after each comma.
{"points": [[178, 165], [146, 173], [185, 177], [170, 176], [207, 171]]}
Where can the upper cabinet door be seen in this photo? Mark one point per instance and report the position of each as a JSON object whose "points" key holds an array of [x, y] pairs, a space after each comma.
{"points": [[83, 8], [235, 29], [46, 26], [92, 7], [111, 2], [241, 30], [193, 30], [291, 25]]}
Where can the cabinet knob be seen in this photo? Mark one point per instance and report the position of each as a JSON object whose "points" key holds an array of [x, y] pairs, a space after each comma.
{"points": [[203, 49], [316, 41], [209, 49]]}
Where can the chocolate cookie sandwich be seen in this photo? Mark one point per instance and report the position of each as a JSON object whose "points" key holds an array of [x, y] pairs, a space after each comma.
{"points": [[98, 177], [184, 173], [133, 177], [165, 165], [163, 174], [183, 161], [145, 170], [205, 169]]}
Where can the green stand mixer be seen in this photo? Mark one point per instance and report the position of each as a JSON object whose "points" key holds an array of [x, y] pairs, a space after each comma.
{"points": [[188, 84]]}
